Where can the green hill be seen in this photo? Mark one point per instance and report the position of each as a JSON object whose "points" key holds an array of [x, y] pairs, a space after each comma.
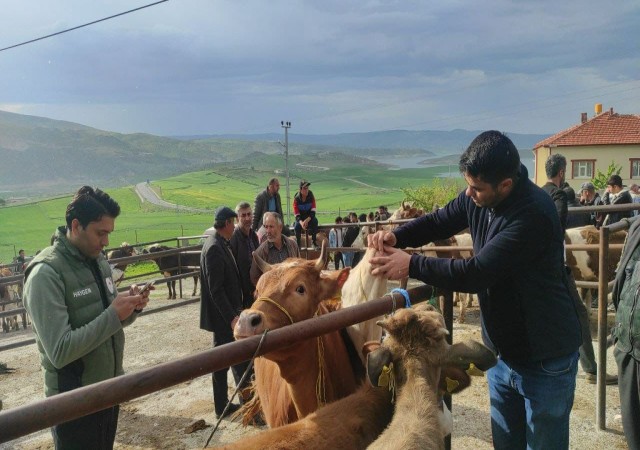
{"points": [[340, 183]]}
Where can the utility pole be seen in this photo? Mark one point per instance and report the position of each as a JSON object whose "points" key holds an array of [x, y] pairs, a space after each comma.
{"points": [[286, 126]]}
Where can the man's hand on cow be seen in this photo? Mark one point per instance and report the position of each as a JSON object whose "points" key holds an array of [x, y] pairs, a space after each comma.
{"points": [[394, 265], [380, 239], [125, 303]]}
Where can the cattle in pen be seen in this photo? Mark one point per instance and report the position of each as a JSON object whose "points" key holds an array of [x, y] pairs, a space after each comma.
{"points": [[177, 263], [417, 359]]}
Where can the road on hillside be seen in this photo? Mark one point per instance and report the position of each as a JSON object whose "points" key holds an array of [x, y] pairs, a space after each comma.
{"points": [[147, 194]]}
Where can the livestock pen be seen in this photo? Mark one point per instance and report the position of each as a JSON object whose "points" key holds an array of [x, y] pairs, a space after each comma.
{"points": [[148, 382]]}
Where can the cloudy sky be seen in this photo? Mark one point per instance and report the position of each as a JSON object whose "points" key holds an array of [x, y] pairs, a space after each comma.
{"points": [[188, 67]]}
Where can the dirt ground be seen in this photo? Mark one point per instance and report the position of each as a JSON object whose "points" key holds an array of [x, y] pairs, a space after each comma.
{"points": [[159, 420]]}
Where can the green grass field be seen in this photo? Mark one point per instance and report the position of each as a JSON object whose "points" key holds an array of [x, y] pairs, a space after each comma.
{"points": [[347, 185]]}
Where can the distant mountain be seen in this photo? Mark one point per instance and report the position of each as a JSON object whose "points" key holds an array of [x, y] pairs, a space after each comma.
{"points": [[40, 155], [438, 143]]}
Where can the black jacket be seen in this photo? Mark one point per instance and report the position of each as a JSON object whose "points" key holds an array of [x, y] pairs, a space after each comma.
{"points": [[559, 197], [242, 251], [622, 198], [517, 270], [221, 289]]}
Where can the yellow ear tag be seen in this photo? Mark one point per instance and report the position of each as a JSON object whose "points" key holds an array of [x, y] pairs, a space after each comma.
{"points": [[474, 371], [387, 378], [451, 384], [383, 379]]}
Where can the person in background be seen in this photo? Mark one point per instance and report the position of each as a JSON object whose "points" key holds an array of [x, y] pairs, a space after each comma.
{"points": [[574, 220], [221, 301], [350, 236], [335, 240], [357, 256], [268, 200], [556, 167], [371, 217], [304, 208], [78, 315], [634, 190], [528, 316], [276, 248], [20, 259], [589, 197], [616, 195], [382, 213], [244, 242]]}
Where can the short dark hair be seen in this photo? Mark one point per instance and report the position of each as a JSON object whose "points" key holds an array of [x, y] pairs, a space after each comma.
{"points": [[554, 164], [491, 157], [338, 219], [89, 205]]}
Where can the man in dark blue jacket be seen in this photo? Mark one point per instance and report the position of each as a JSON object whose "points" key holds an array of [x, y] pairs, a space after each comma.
{"points": [[528, 316]]}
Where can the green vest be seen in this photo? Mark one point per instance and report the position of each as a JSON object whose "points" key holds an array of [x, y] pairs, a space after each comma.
{"points": [[85, 301]]}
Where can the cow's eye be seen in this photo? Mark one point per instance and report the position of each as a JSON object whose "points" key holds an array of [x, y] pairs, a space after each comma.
{"points": [[300, 289]]}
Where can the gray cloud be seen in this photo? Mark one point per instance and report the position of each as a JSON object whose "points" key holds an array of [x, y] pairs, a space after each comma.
{"points": [[196, 66]]}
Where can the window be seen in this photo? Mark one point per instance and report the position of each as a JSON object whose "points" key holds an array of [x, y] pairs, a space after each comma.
{"points": [[635, 167], [582, 168]]}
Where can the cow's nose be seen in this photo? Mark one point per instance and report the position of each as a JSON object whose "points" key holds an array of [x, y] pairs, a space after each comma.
{"points": [[254, 319], [249, 323]]}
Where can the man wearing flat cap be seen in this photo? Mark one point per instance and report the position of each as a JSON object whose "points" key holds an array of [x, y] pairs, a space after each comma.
{"points": [[304, 207], [616, 195], [221, 299], [589, 197]]}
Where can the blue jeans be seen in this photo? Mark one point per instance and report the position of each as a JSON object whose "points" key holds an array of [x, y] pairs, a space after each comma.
{"points": [[531, 402], [347, 259]]}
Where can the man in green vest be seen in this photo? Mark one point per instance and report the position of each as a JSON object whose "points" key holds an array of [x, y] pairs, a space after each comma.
{"points": [[78, 315]]}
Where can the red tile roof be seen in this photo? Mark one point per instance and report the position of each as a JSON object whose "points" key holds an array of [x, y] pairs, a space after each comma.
{"points": [[607, 128]]}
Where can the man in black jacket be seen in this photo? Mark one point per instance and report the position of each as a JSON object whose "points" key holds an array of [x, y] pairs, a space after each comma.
{"points": [[615, 195], [527, 314], [221, 299], [243, 243], [555, 167]]}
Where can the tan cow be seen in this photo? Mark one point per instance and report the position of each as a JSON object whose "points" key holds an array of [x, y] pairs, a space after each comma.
{"points": [[584, 264], [293, 382], [413, 353]]}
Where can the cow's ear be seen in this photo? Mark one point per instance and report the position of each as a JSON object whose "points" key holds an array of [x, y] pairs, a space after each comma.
{"points": [[376, 362], [463, 354], [342, 277]]}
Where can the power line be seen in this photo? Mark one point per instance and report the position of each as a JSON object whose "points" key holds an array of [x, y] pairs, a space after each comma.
{"points": [[81, 26]]}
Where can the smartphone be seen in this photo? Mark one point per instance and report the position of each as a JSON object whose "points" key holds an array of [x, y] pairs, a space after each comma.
{"points": [[145, 287]]}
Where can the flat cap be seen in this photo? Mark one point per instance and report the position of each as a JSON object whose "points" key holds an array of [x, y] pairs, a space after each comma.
{"points": [[224, 213]]}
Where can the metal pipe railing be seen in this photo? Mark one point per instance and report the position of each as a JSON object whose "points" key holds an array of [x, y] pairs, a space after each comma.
{"points": [[23, 420]]}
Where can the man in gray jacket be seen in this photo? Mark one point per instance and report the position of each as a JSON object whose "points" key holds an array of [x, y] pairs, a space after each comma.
{"points": [[78, 315], [268, 201]]}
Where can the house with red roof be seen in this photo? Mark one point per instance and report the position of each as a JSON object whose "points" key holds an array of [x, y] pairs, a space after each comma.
{"points": [[592, 145]]}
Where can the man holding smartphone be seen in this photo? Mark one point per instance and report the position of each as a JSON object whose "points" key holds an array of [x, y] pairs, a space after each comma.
{"points": [[78, 315]]}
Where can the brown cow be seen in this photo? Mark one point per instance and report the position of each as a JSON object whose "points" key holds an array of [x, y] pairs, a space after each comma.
{"points": [[118, 269], [293, 382], [414, 351]]}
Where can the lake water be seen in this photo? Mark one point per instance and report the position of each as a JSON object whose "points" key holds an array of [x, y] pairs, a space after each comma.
{"points": [[413, 162]]}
